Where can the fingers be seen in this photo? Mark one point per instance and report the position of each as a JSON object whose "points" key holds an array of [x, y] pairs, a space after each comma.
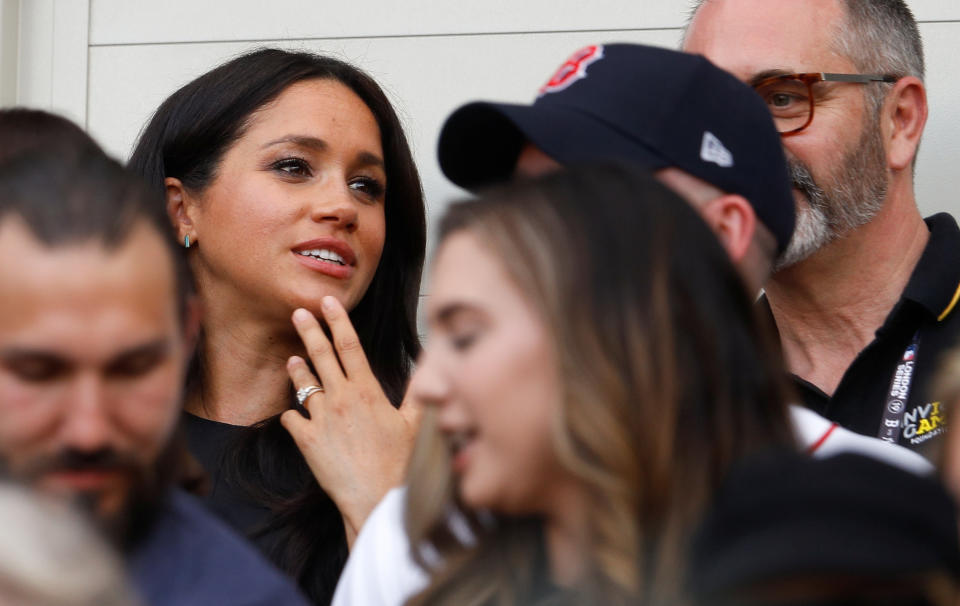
{"points": [[297, 426], [345, 339], [303, 436], [302, 378], [319, 349]]}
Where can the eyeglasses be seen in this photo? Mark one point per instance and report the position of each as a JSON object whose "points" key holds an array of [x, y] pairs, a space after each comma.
{"points": [[790, 97]]}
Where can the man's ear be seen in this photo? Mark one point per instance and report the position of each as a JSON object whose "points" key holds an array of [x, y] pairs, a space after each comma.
{"points": [[181, 208], [904, 115], [732, 220]]}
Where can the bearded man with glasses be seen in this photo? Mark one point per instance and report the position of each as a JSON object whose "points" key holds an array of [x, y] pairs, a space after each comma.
{"points": [[864, 296]]}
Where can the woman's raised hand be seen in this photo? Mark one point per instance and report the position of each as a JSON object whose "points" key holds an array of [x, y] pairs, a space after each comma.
{"points": [[355, 442]]}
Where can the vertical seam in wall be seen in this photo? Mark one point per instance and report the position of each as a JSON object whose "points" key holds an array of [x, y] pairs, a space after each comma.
{"points": [[86, 104], [53, 52], [86, 75], [19, 47], [19, 54]]}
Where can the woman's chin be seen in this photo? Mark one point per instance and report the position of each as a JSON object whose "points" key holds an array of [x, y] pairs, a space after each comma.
{"points": [[310, 300]]}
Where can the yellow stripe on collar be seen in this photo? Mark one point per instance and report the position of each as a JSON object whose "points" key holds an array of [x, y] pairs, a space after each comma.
{"points": [[953, 302]]}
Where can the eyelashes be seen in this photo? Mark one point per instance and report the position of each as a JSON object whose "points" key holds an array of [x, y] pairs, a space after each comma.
{"points": [[293, 167], [369, 186], [296, 169]]}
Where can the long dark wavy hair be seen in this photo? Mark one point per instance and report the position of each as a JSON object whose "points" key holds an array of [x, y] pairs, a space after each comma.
{"points": [[187, 138], [667, 376]]}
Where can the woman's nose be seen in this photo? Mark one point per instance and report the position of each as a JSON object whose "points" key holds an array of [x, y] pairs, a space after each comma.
{"points": [[335, 203], [427, 384]]}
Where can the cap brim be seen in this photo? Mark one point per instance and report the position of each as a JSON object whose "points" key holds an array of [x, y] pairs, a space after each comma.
{"points": [[480, 142]]}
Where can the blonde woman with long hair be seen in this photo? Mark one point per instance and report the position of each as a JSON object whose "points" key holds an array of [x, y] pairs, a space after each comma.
{"points": [[593, 370]]}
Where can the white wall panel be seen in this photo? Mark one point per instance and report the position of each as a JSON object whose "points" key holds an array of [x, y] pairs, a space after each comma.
{"points": [[426, 77], [9, 44], [937, 177], [52, 63], [431, 56], [149, 21], [935, 10]]}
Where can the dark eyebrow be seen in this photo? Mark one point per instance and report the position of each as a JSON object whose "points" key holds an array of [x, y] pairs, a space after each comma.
{"points": [[299, 141], [14, 354], [368, 159], [365, 158], [156, 348], [768, 73]]}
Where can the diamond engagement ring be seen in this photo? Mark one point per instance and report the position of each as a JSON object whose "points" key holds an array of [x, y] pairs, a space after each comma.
{"points": [[305, 392]]}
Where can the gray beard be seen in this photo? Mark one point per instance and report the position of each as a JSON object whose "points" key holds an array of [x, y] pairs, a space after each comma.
{"points": [[853, 197]]}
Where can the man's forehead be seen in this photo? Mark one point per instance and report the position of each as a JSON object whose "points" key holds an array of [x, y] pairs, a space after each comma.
{"points": [[750, 37], [66, 295]]}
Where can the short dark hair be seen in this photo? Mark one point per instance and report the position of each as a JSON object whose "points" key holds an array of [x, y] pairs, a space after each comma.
{"points": [[24, 129], [68, 191]]}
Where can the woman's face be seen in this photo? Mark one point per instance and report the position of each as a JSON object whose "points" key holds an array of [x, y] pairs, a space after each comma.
{"points": [[296, 209], [490, 369]]}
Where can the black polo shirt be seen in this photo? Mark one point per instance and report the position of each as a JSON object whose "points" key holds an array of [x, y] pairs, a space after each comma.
{"points": [[927, 310]]}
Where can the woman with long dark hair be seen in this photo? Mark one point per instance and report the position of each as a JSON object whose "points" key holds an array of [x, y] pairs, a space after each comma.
{"points": [[291, 186], [594, 368]]}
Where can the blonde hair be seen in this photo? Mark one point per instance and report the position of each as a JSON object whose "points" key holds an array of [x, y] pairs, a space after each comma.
{"points": [[666, 377], [51, 556]]}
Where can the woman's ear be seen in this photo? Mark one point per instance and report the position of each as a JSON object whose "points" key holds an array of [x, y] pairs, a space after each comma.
{"points": [[181, 207]]}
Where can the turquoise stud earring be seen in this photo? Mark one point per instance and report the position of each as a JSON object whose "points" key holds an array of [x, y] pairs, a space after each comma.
{"points": [[186, 241]]}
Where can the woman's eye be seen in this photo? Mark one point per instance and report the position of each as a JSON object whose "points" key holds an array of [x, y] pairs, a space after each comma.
{"points": [[464, 341], [294, 167], [370, 187]]}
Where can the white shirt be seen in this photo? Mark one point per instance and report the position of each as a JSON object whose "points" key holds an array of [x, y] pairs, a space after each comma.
{"points": [[822, 438], [381, 570]]}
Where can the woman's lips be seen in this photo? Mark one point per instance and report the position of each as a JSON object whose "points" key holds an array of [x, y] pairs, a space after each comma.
{"points": [[460, 461], [329, 268], [340, 261], [461, 446]]}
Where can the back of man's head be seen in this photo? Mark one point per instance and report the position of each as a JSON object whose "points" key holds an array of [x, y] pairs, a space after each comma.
{"points": [[66, 190], [23, 130]]}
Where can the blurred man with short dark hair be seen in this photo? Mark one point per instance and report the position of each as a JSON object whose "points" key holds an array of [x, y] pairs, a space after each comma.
{"points": [[96, 329]]}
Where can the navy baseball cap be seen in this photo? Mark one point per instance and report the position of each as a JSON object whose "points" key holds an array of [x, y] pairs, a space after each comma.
{"points": [[649, 106]]}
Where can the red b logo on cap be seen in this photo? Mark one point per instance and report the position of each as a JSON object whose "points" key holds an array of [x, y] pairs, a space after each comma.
{"points": [[573, 69]]}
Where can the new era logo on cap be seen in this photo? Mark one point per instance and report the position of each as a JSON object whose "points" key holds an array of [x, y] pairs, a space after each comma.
{"points": [[712, 150]]}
